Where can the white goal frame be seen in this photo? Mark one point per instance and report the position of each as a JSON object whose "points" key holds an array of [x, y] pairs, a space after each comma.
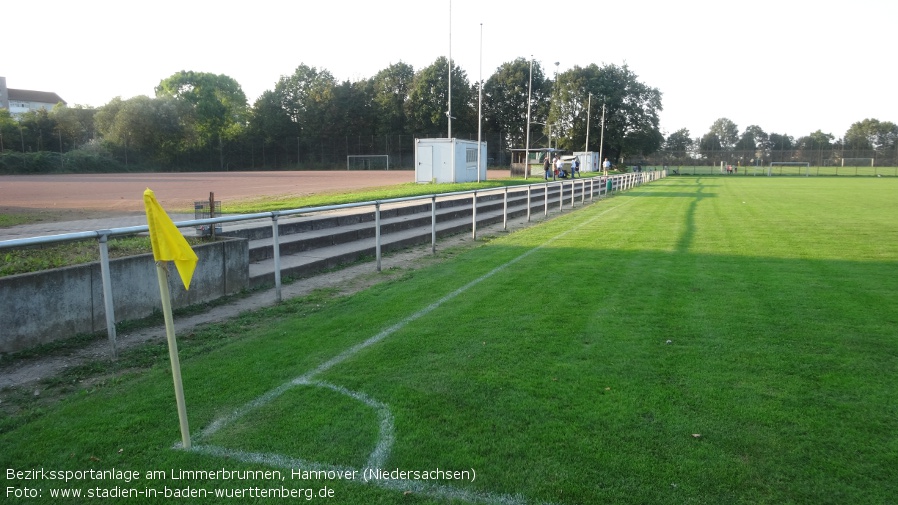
{"points": [[856, 165], [807, 165], [366, 158]]}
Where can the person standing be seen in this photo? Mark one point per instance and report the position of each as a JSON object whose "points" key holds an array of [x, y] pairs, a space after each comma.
{"points": [[606, 165], [575, 168], [559, 165], [547, 165]]}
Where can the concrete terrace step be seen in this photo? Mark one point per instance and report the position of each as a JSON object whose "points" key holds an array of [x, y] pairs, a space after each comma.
{"points": [[313, 244]]}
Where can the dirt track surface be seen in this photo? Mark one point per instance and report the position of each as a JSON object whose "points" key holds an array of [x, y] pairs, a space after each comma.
{"points": [[124, 192]]}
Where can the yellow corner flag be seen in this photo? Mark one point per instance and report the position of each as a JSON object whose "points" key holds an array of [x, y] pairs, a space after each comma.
{"points": [[168, 243]]}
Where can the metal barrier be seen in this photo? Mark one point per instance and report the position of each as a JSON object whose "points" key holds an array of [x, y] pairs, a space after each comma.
{"points": [[608, 185]]}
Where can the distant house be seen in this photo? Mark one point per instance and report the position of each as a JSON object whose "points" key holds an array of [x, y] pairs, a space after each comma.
{"points": [[20, 101]]}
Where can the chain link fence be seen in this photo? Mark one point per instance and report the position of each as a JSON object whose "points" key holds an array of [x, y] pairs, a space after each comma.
{"points": [[331, 153], [843, 158]]}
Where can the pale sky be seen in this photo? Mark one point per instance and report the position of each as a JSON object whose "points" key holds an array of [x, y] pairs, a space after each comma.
{"points": [[789, 66]]}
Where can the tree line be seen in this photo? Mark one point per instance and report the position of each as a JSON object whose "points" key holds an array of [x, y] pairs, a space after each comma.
{"points": [[869, 138], [202, 121]]}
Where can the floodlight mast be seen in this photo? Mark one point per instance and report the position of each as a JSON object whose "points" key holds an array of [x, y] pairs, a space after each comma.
{"points": [[480, 104], [588, 110], [602, 141], [527, 146], [449, 112]]}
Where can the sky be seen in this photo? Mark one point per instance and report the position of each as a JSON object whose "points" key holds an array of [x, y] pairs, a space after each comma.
{"points": [[789, 66]]}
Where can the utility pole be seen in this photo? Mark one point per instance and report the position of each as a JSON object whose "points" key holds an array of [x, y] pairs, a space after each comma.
{"points": [[602, 141], [527, 147], [588, 110]]}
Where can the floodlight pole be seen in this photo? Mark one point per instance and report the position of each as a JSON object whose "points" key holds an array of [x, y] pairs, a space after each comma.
{"points": [[527, 146], [602, 142], [480, 104], [588, 110], [554, 97], [449, 112]]}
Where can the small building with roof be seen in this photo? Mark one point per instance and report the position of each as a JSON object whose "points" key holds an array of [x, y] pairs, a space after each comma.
{"points": [[449, 160], [20, 101]]}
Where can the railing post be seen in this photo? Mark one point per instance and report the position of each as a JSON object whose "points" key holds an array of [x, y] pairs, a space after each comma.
{"points": [[433, 224], [377, 233], [573, 192], [474, 216], [107, 292], [529, 187], [505, 210], [560, 196], [546, 200], [276, 255]]}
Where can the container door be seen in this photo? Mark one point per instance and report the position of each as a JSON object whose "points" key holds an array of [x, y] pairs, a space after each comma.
{"points": [[424, 170]]}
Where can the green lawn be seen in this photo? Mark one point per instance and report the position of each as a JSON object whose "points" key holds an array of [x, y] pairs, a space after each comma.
{"points": [[791, 170], [696, 340]]}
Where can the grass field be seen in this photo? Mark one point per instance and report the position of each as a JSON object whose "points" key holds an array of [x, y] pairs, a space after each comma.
{"points": [[791, 170], [696, 340]]}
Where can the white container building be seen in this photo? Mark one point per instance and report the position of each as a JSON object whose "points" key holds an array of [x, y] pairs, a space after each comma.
{"points": [[448, 160]]}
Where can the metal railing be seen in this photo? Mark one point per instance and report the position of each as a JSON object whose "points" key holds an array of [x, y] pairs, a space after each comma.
{"points": [[606, 186]]}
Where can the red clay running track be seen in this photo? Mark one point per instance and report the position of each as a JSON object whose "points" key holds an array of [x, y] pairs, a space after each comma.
{"points": [[124, 192]]}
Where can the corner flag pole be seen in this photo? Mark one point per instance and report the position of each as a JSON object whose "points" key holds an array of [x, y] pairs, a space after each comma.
{"points": [[173, 353], [169, 245]]}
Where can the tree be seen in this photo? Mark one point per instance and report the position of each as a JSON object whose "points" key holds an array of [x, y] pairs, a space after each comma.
{"points": [[872, 134], [269, 127], [753, 145], [144, 128], [390, 90], [710, 147], [505, 96], [351, 111], [217, 104], [427, 105], [780, 142], [631, 110], [679, 143], [780, 147], [305, 95], [727, 133], [815, 141], [815, 147], [9, 132], [75, 125], [37, 129]]}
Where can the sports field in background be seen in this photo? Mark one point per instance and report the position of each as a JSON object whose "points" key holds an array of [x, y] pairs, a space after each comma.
{"points": [[795, 170], [694, 340]]}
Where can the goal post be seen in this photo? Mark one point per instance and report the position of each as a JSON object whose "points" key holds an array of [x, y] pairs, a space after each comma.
{"points": [[857, 162], [368, 162], [806, 165]]}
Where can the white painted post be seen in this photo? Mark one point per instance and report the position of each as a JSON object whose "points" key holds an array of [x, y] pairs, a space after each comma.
{"points": [[433, 224], [505, 210], [529, 187], [474, 216], [276, 243], [377, 233], [107, 292], [560, 196]]}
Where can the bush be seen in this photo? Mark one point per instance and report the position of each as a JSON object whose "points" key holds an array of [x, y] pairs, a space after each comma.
{"points": [[90, 158]]}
